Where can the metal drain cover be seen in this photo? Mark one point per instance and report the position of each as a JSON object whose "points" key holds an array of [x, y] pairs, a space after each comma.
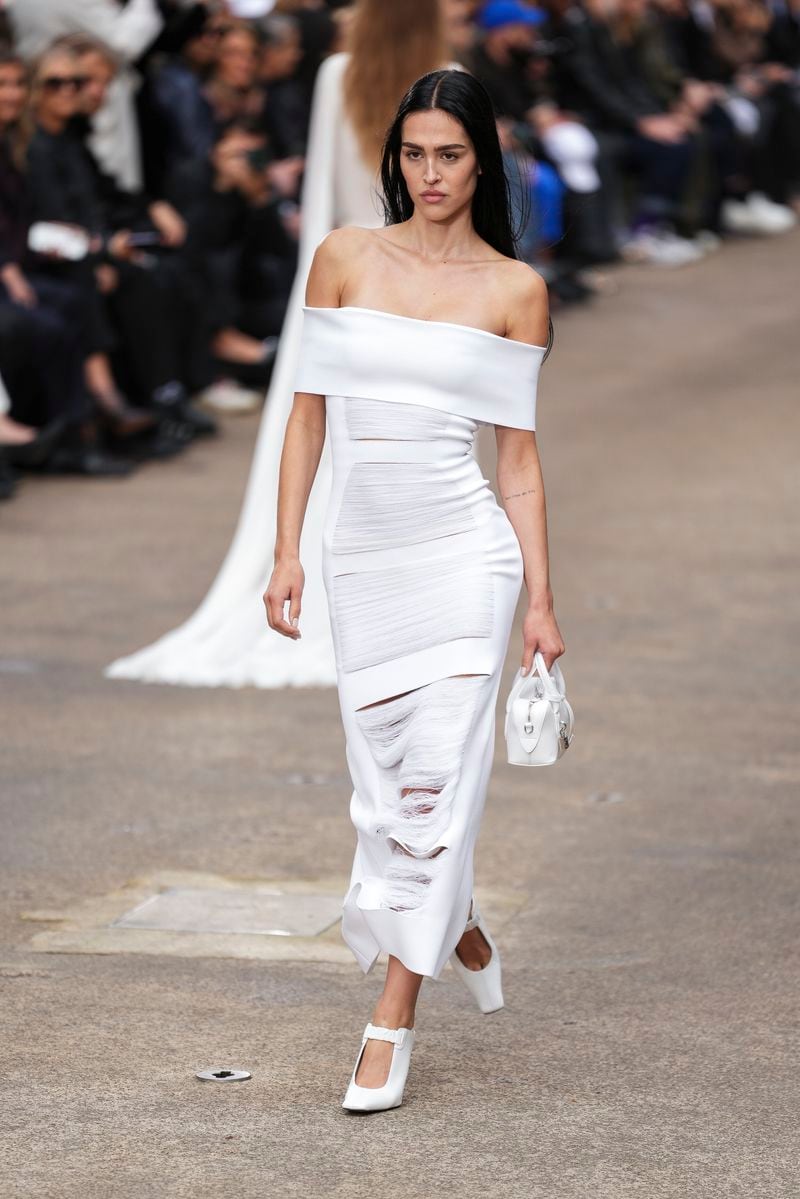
{"points": [[222, 1074]]}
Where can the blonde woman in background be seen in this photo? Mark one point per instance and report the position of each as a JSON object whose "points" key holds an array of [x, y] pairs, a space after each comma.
{"points": [[128, 29], [225, 642]]}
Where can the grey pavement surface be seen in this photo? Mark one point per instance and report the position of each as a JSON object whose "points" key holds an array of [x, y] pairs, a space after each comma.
{"points": [[645, 890]]}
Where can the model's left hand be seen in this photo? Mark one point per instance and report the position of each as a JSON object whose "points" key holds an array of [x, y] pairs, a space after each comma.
{"points": [[285, 587], [540, 632]]}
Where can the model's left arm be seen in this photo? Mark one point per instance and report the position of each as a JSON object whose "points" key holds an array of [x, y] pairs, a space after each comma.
{"points": [[521, 488]]}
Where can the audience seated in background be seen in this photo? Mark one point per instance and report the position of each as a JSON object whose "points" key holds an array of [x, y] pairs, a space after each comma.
{"points": [[168, 139]]}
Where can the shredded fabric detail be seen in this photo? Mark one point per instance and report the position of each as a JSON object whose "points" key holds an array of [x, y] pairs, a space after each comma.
{"points": [[407, 883], [368, 419], [390, 504], [458, 601], [418, 741]]}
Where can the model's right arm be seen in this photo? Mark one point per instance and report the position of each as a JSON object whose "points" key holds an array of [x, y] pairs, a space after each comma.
{"points": [[302, 449]]}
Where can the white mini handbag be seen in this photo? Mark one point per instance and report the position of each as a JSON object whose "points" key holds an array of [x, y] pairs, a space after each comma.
{"points": [[539, 719]]}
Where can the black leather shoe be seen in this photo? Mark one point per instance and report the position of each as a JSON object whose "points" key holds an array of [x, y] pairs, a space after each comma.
{"points": [[176, 429], [160, 444], [34, 453], [124, 420], [168, 438], [203, 424]]}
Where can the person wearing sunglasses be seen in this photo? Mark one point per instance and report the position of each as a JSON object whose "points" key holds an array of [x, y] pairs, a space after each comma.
{"points": [[128, 309], [128, 29], [64, 83], [43, 319]]}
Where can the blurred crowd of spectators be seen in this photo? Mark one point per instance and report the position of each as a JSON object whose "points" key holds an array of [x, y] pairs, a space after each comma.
{"points": [[152, 153]]}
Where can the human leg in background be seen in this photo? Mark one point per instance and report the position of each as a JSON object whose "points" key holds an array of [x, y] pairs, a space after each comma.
{"points": [[148, 348]]}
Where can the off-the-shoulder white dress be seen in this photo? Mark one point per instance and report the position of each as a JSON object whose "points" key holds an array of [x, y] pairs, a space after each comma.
{"points": [[422, 570]]}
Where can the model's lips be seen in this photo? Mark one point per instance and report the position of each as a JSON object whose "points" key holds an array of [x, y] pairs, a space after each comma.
{"points": [[433, 195]]}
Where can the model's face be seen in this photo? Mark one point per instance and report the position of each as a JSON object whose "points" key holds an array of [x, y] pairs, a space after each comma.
{"points": [[58, 88], [13, 91], [438, 162], [97, 73]]}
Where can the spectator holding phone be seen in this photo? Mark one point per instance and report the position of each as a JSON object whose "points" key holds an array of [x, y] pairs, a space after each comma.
{"points": [[240, 246], [97, 66], [129, 308]]}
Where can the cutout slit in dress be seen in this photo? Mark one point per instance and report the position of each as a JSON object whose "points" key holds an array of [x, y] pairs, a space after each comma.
{"points": [[422, 571]]}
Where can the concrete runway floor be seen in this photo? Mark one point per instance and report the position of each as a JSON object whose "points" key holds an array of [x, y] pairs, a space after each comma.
{"points": [[644, 892]]}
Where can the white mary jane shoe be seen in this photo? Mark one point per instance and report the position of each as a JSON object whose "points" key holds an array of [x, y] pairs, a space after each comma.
{"points": [[376, 1099], [485, 985]]}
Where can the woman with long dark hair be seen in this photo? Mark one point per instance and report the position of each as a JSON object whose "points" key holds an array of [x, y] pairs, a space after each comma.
{"points": [[414, 334]]}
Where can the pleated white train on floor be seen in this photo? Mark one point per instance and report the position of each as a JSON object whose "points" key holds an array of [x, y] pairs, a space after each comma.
{"points": [[227, 642]]}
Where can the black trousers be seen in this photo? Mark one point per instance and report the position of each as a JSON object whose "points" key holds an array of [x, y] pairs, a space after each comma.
{"points": [[133, 324], [660, 171], [42, 351]]}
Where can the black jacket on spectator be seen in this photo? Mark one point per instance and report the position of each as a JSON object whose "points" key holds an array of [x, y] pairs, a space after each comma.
{"points": [[783, 40], [120, 209], [42, 347], [694, 44], [285, 118], [606, 83], [60, 182], [218, 220], [177, 119], [14, 208], [241, 257], [65, 185]]}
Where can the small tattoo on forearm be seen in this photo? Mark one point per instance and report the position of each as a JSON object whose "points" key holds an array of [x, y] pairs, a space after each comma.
{"points": [[514, 494]]}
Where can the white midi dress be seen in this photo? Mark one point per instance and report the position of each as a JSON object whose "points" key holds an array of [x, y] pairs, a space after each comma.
{"points": [[422, 571]]}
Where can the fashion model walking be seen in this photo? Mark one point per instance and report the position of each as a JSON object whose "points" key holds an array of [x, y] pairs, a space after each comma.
{"points": [[413, 335]]}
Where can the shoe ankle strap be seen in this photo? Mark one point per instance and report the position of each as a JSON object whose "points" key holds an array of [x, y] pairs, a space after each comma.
{"points": [[374, 1032], [474, 918]]}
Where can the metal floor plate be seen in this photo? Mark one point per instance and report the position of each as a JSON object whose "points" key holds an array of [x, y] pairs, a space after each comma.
{"points": [[195, 914], [211, 910]]}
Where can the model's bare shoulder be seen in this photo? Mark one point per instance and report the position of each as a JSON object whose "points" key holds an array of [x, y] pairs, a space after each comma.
{"points": [[338, 246], [343, 241], [528, 307], [327, 273]]}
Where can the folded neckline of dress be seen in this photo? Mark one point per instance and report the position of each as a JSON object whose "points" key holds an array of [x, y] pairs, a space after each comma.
{"points": [[418, 320]]}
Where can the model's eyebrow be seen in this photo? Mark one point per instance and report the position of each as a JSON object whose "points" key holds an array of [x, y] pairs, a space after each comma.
{"points": [[450, 146]]}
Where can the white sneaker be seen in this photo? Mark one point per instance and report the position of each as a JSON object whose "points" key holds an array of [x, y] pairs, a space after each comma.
{"points": [[660, 247], [378, 1099], [757, 215], [226, 395], [781, 216], [485, 985]]}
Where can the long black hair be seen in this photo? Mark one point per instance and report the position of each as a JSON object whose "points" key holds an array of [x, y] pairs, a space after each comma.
{"points": [[466, 99]]}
